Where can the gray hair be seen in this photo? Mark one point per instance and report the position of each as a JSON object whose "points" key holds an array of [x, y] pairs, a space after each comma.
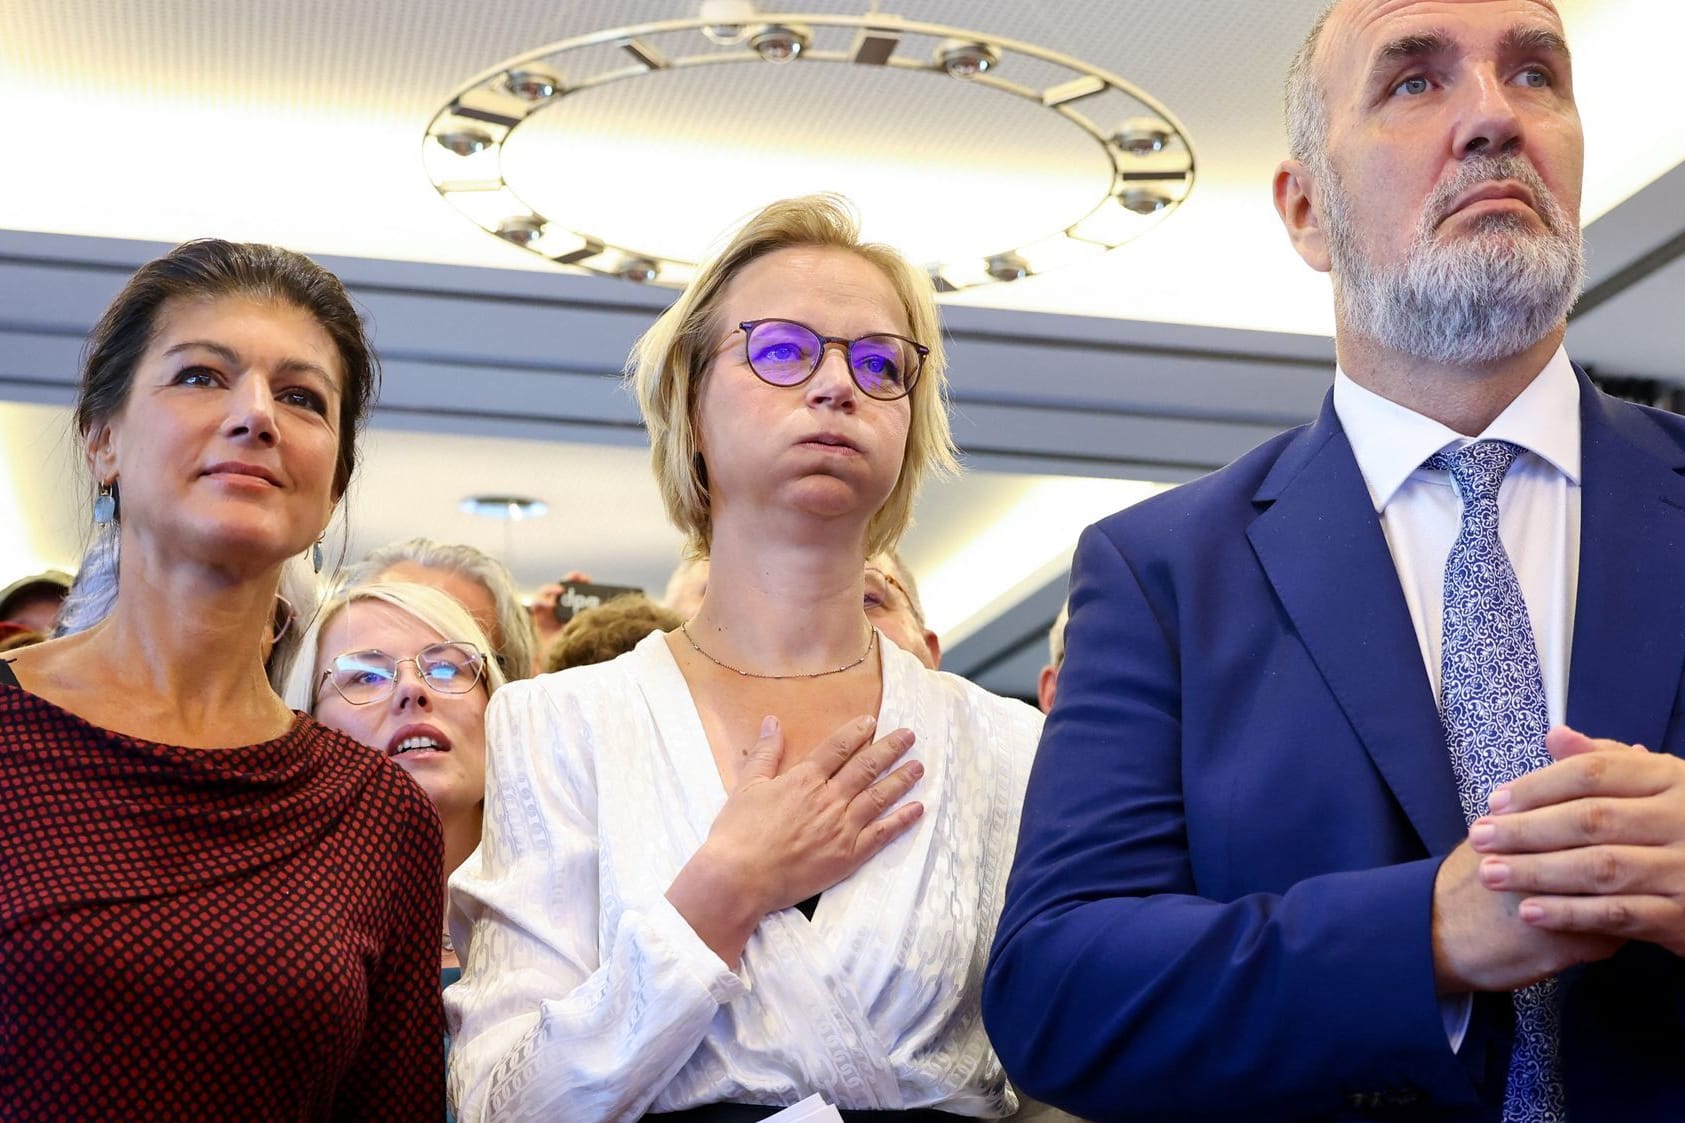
{"points": [[1307, 105], [304, 593], [519, 647], [1056, 636], [93, 593]]}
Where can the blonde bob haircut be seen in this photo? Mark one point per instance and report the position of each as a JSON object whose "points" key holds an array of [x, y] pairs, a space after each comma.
{"points": [[430, 607], [668, 363]]}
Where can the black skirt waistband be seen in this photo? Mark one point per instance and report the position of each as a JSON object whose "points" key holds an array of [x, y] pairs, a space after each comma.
{"points": [[754, 1113]]}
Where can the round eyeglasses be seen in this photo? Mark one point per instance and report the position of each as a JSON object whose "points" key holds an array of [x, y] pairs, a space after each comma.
{"points": [[787, 353], [361, 677]]}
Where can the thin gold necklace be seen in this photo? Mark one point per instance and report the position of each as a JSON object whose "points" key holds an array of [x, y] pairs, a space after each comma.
{"points": [[871, 642]]}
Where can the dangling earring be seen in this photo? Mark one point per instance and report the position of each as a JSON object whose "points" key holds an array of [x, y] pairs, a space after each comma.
{"points": [[316, 555], [105, 504]]}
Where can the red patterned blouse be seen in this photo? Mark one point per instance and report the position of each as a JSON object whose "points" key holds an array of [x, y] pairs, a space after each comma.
{"points": [[247, 933]]}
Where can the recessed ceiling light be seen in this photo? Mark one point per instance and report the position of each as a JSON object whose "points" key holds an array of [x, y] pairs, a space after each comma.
{"points": [[966, 60], [510, 508], [779, 42]]}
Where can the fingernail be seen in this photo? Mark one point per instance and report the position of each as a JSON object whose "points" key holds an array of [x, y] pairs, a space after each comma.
{"points": [[916, 770], [1482, 833], [769, 725], [1494, 872], [1498, 800], [868, 723], [1532, 913]]}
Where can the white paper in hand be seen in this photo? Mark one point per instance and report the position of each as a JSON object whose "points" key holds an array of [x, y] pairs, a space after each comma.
{"points": [[811, 1110]]}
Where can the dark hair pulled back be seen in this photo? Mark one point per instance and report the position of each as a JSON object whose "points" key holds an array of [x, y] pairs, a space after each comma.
{"points": [[207, 269]]}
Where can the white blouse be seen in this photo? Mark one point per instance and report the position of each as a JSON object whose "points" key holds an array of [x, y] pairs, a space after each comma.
{"points": [[586, 996]]}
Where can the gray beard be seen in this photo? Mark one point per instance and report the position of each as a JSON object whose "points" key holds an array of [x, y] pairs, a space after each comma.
{"points": [[1472, 300]]}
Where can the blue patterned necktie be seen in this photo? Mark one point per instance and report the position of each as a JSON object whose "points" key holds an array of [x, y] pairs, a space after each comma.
{"points": [[1492, 701]]}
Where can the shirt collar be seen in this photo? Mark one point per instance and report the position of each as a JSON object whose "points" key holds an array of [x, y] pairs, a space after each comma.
{"points": [[1390, 441]]}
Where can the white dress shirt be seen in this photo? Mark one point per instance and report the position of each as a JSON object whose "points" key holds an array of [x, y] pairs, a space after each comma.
{"points": [[1538, 520], [586, 996], [1538, 507]]}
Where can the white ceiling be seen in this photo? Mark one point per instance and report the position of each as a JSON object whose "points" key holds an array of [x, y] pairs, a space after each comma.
{"points": [[302, 123]]}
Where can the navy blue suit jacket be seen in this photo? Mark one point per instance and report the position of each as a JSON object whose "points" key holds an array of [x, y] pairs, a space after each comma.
{"points": [[1221, 903]]}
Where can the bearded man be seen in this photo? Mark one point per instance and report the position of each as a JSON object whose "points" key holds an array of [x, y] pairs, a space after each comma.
{"points": [[1343, 810]]}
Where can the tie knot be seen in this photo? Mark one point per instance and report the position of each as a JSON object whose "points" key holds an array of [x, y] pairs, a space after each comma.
{"points": [[1478, 468]]}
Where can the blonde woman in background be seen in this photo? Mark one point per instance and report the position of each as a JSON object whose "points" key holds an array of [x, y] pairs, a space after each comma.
{"points": [[406, 670]]}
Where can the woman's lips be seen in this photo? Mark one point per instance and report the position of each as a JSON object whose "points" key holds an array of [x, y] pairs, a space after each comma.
{"points": [[417, 738]]}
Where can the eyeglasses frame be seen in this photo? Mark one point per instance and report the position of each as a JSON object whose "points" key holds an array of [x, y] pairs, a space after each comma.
{"points": [[288, 615], [397, 665], [748, 326]]}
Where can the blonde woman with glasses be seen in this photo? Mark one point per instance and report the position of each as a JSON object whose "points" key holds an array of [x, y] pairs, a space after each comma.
{"points": [[759, 857], [406, 670]]}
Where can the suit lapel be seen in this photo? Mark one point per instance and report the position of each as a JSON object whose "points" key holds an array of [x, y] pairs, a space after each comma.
{"points": [[1321, 545], [1629, 617]]}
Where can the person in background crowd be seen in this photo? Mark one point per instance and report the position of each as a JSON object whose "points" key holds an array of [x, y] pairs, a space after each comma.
{"points": [[892, 603], [33, 602], [13, 636], [1047, 685], [891, 599], [685, 587], [716, 806], [542, 611], [607, 631], [405, 670], [1261, 873], [478, 581], [213, 908]]}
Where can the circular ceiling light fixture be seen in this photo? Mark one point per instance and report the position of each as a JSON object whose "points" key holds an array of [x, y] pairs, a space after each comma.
{"points": [[1146, 173]]}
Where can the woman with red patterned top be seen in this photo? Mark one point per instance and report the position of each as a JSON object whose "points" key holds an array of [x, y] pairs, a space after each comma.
{"points": [[210, 907]]}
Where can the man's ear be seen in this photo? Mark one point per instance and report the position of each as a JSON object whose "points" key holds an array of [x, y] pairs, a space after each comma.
{"points": [[1295, 202]]}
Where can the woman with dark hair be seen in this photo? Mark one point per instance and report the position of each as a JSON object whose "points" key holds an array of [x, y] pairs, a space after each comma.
{"points": [[210, 907]]}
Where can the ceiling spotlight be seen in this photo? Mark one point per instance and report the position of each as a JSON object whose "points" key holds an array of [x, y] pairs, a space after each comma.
{"points": [[1143, 200], [639, 269], [512, 508], [523, 230], [777, 42], [464, 142], [1007, 267], [1142, 136], [966, 60], [533, 83], [727, 21]]}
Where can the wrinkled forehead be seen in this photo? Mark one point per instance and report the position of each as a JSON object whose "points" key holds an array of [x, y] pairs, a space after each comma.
{"points": [[1357, 31]]}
